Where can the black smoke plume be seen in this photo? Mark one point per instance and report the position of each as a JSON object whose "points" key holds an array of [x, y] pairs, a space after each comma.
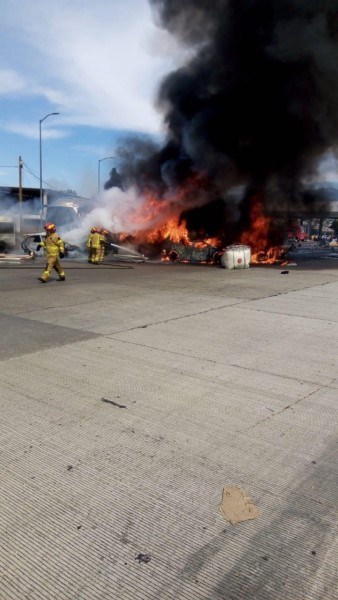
{"points": [[256, 104]]}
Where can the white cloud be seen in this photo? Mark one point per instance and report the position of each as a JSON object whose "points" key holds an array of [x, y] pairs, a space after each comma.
{"points": [[30, 130], [99, 63], [10, 82]]}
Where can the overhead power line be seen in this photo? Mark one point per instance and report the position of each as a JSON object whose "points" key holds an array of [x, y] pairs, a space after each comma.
{"points": [[31, 172]]}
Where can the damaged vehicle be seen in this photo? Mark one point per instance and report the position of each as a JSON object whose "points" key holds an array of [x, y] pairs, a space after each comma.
{"points": [[32, 241], [194, 253]]}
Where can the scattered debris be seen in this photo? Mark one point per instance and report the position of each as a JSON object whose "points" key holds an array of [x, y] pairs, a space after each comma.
{"points": [[15, 258], [143, 558], [237, 506], [284, 272], [113, 403], [313, 552], [314, 462], [70, 468], [265, 558], [288, 263], [79, 527]]}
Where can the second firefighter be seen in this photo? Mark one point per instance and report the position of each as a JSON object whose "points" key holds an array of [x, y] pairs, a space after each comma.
{"points": [[94, 246]]}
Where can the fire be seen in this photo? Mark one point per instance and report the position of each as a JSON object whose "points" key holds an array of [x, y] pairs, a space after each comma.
{"points": [[153, 211], [157, 223], [173, 230], [257, 237], [176, 231]]}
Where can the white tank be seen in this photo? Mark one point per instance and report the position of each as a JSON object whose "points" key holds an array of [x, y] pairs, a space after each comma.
{"points": [[236, 257]]}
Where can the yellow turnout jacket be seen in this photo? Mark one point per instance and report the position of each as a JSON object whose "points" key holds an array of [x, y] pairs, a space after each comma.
{"points": [[53, 245]]}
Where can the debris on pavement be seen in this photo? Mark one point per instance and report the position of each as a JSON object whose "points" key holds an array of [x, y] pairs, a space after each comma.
{"points": [[143, 558], [16, 258], [284, 272], [113, 403], [237, 506], [70, 467], [288, 263]]}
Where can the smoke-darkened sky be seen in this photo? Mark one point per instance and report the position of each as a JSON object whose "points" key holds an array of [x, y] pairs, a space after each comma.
{"points": [[257, 100]]}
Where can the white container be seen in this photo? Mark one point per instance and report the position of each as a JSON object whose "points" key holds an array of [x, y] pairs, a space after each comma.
{"points": [[236, 257]]}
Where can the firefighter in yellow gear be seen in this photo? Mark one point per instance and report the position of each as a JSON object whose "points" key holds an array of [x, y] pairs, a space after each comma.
{"points": [[55, 249], [107, 237], [103, 234], [94, 246], [88, 244]]}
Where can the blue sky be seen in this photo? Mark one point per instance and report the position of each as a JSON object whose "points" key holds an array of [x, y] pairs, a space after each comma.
{"points": [[98, 64]]}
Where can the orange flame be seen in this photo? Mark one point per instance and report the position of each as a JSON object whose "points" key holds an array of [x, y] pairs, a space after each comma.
{"points": [[157, 220], [173, 230], [258, 235], [177, 232]]}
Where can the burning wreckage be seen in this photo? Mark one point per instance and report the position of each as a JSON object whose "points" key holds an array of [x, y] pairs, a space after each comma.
{"points": [[253, 106], [172, 242]]}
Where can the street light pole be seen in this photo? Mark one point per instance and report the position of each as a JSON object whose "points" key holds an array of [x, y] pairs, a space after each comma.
{"points": [[98, 170], [20, 193], [41, 195]]}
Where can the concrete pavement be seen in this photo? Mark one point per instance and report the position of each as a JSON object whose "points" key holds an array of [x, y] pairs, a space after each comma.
{"points": [[213, 378]]}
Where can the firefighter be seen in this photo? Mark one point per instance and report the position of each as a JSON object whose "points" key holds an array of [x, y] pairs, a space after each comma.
{"points": [[102, 244], [88, 244], [93, 245], [55, 249], [105, 234]]}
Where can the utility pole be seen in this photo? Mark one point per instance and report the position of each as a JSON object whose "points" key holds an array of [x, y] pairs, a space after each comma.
{"points": [[20, 193]]}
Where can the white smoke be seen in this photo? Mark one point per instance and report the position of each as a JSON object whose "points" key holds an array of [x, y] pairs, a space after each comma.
{"points": [[17, 219], [120, 212]]}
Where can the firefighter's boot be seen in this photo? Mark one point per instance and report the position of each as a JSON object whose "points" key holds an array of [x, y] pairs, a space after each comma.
{"points": [[45, 275]]}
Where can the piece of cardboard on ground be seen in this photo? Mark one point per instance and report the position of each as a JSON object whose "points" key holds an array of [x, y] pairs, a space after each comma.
{"points": [[237, 506]]}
